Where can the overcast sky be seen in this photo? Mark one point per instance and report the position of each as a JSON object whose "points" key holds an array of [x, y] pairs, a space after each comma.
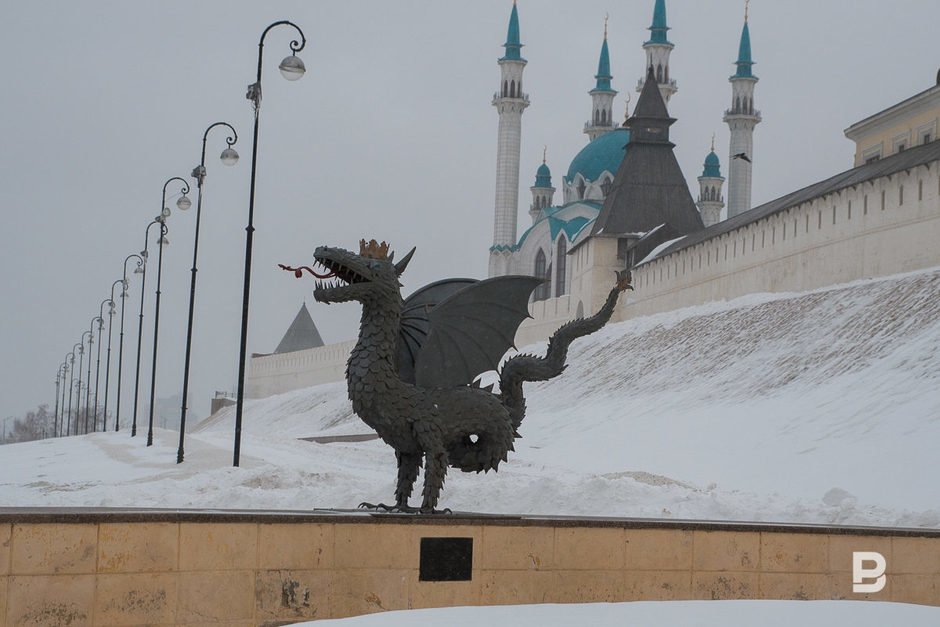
{"points": [[389, 135]]}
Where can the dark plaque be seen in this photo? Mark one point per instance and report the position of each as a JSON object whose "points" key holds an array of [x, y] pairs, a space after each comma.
{"points": [[446, 559]]}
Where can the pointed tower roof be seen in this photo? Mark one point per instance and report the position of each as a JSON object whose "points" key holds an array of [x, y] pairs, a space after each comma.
{"points": [[603, 66], [712, 166], [513, 45], [658, 28], [649, 188], [744, 61], [302, 334], [648, 105]]}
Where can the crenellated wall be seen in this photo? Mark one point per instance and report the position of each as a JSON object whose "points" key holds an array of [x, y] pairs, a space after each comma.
{"points": [[881, 227], [112, 567]]}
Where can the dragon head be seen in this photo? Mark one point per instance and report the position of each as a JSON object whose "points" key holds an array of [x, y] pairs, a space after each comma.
{"points": [[370, 275]]}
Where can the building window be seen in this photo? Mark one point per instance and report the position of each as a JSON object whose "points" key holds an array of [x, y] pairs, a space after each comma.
{"points": [[807, 223], [763, 238], [541, 292], [753, 241], [605, 186], [581, 188], [900, 195], [882, 200], [833, 214], [920, 190], [902, 147], [819, 226], [865, 205], [560, 263], [926, 138], [849, 212], [773, 235], [580, 312], [794, 227]]}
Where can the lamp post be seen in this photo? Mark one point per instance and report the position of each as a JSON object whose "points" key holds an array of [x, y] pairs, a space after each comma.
{"points": [[91, 340], [58, 381], [228, 157], [292, 68], [138, 270], [140, 320], [68, 426], [94, 424], [183, 203], [107, 368], [78, 399]]}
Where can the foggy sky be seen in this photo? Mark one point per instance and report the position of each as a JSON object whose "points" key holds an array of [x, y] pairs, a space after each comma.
{"points": [[389, 135]]}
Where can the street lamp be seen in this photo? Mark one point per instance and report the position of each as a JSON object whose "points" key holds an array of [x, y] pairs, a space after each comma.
{"points": [[68, 426], [107, 369], [138, 270], [91, 340], [58, 381], [228, 157], [291, 68], [183, 204], [81, 360], [110, 303]]}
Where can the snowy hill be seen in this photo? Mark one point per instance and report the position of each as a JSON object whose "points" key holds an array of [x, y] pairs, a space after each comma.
{"points": [[818, 407]]}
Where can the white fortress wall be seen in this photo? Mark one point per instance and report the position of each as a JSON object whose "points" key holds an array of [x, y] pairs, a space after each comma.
{"points": [[278, 373], [880, 227], [877, 228]]}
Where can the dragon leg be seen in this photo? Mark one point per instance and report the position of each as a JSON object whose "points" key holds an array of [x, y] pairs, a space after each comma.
{"points": [[435, 471], [408, 466]]}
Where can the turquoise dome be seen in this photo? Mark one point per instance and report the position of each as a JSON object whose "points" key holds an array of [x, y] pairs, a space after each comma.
{"points": [[543, 177], [712, 165], [603, 154]]}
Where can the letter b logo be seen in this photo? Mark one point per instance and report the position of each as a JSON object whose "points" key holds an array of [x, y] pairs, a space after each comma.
{"points": [[875, 575]]}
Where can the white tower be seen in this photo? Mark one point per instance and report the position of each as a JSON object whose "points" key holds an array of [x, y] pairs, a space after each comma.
{"points": [[510, 102], [742, 117], [710, 200], [602, 96], [657, 50], [543, 194]]}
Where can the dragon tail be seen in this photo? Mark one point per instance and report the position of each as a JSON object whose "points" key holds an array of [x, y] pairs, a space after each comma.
{"points": [[521, 368]]}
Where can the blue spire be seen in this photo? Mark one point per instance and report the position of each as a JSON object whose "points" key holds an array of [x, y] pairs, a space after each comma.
{"points": [[513, 45], [603, 67], [744, 62], [658, 28]]}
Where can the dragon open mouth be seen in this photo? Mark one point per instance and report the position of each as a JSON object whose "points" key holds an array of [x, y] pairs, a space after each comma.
{"points": [[337, 278]]}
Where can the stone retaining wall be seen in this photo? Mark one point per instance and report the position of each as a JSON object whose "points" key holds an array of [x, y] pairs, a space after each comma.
{"points": [[100, 567]]}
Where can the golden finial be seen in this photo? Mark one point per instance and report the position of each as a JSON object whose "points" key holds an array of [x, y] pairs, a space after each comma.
{"points": [[626, 110], [713, 142], [544, 152], [606, 17], [746, 3]]}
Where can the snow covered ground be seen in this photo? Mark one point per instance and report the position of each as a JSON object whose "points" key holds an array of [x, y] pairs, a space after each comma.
{"points": [[684, 613], [817, 407]]}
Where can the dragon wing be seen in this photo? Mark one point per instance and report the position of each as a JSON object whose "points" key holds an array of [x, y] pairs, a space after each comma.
{"points": [[415, 324], [472, 329]]}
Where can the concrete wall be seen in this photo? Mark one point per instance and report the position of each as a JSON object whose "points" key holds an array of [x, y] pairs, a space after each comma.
{"points": [[241, 569]]}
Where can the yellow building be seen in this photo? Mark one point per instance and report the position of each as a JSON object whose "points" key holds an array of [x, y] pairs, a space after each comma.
{"points": [[911, 122]]}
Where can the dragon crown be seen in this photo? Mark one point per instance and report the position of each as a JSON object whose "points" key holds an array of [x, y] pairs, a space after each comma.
{"points": [[373, 250]]}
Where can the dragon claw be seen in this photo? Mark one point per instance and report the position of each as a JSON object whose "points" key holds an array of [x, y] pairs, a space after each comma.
{"points": [[401, 509]]}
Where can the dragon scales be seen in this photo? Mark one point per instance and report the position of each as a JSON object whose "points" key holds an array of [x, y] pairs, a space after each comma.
{"points": [[410, 376]]}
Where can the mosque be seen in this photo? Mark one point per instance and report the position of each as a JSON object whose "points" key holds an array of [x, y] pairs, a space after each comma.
{"points": [[593, 203], [625, 204]]}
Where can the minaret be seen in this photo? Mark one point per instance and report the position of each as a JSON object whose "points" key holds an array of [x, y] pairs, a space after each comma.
{"points": [[542, 192], [742, 117], [710, 201], [602, 96], [510, 102], [657, 53]]}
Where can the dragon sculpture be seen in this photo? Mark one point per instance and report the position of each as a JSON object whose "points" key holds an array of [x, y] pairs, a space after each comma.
{"points": [[411, 375]]}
